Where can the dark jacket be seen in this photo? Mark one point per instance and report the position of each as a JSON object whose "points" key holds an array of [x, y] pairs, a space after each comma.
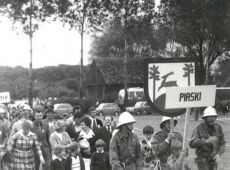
{"points": [[200, 134], [43, 136], [100, 161], [70, 129], [163, 148], [69, 163], [99, 125], [56, 164], [105, 135]]}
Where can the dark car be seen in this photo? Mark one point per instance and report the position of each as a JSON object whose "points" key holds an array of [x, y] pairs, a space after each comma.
{"points": [[142, 108], [62, 108], [108, 109]]}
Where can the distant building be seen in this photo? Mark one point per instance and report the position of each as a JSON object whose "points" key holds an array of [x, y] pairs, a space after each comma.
{"points": [[106, 76]]}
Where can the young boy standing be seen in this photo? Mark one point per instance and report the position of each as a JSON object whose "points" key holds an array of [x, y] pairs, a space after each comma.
{"points": [[58, 162], [178, 157], [75, 161], [100, 159]]}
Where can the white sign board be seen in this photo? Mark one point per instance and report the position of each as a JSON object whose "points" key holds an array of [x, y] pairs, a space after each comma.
{"points": [[184, 97], [5, 97]]}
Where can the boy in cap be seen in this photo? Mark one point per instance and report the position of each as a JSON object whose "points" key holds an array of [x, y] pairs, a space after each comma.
{"points": [[75, 161], [208, 140], [100, 159], [164, 139], [175, 160]]}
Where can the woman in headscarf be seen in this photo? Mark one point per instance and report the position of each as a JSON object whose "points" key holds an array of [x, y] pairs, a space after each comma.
{"points": [[23, 145]]}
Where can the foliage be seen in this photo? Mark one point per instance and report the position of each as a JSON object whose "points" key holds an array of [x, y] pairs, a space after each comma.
{"points": [[57, 81], [134, 20], [21, 11], [142, 40], [201, 26]]}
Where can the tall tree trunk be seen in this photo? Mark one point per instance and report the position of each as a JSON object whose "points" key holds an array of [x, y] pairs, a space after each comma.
{"points": [[81, 67], [125, 72], [30, 95]]}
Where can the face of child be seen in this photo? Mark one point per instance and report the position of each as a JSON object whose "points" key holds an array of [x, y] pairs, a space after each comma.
{"points": [[148, 136], [61, 154], [176, 152], [100, 148], [154, 143]]}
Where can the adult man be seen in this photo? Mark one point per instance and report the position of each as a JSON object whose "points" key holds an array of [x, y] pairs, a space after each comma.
{"points": [[77, 110], [164, 139], [41, 130], [95, 123], [74, 128], [125, 148], [105, 133], [208, 139]]}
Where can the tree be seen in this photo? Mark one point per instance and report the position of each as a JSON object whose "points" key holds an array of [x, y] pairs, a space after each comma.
{"points": [[154, 74], [26, 14], [143, 40], [82, 15], [200, 26], [188, 69], [126, 11]]}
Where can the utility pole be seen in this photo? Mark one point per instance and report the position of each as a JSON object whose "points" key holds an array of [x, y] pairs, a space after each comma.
{"points": [[30, 95]]}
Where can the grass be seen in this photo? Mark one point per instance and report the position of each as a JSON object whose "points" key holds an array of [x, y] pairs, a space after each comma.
{"points": [[154, 120]]}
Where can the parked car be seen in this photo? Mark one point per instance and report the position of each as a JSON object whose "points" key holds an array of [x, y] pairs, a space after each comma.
{"points": [[140, 108], [132, 108], [108, 109], [62, 108]]}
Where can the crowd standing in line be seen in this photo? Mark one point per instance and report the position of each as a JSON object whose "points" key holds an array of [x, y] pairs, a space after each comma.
{"points": [[39, 139]]}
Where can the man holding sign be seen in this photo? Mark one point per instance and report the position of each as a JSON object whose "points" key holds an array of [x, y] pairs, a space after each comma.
{"points": [[208, 139], [164, 139]]}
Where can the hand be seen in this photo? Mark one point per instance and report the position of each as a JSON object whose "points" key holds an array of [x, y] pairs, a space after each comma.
{"points": [[217, 158], [171, 135], [211, 139], [184, 153], [42, 160]]}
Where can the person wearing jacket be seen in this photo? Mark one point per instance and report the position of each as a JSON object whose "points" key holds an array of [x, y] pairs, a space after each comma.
{"points": [[41, 130], [125, 148], [208, 140], [164, 139]]}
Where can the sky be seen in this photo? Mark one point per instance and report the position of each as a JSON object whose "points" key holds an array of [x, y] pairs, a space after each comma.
{"points": [[53, 44]]}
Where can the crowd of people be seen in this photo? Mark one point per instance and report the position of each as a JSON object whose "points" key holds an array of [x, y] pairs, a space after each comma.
{"points": [[40, 139]]}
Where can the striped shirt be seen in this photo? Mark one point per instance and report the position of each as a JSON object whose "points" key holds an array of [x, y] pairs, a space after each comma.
{"points": [[75, 163]]}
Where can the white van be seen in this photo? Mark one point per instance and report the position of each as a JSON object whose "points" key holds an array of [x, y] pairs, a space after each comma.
{"points": [[134, 93]]}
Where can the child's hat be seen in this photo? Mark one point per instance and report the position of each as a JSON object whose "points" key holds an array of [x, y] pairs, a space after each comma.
{"points": [[176, 144], [99, 142]]}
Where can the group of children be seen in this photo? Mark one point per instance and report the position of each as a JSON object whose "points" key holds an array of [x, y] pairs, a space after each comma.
{"points": [[74, 160], [175, 161]]}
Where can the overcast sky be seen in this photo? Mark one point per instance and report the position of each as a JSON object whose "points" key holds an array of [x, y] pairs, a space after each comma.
{"points": [[53, 44]]}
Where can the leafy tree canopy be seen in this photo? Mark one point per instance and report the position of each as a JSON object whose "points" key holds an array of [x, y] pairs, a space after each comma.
{"points": [[201, 26]]}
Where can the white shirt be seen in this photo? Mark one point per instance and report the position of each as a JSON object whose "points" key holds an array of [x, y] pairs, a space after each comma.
{"points": [[88, 135], [75, 163]]}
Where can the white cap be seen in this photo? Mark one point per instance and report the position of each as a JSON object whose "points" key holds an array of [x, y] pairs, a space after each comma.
{"points": [[209, 111], [2, 110], [27, 107], [164, 119], [125, 118]]}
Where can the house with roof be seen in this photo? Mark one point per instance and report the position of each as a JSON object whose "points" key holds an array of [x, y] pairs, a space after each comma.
{"points": [[106, 76]]}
